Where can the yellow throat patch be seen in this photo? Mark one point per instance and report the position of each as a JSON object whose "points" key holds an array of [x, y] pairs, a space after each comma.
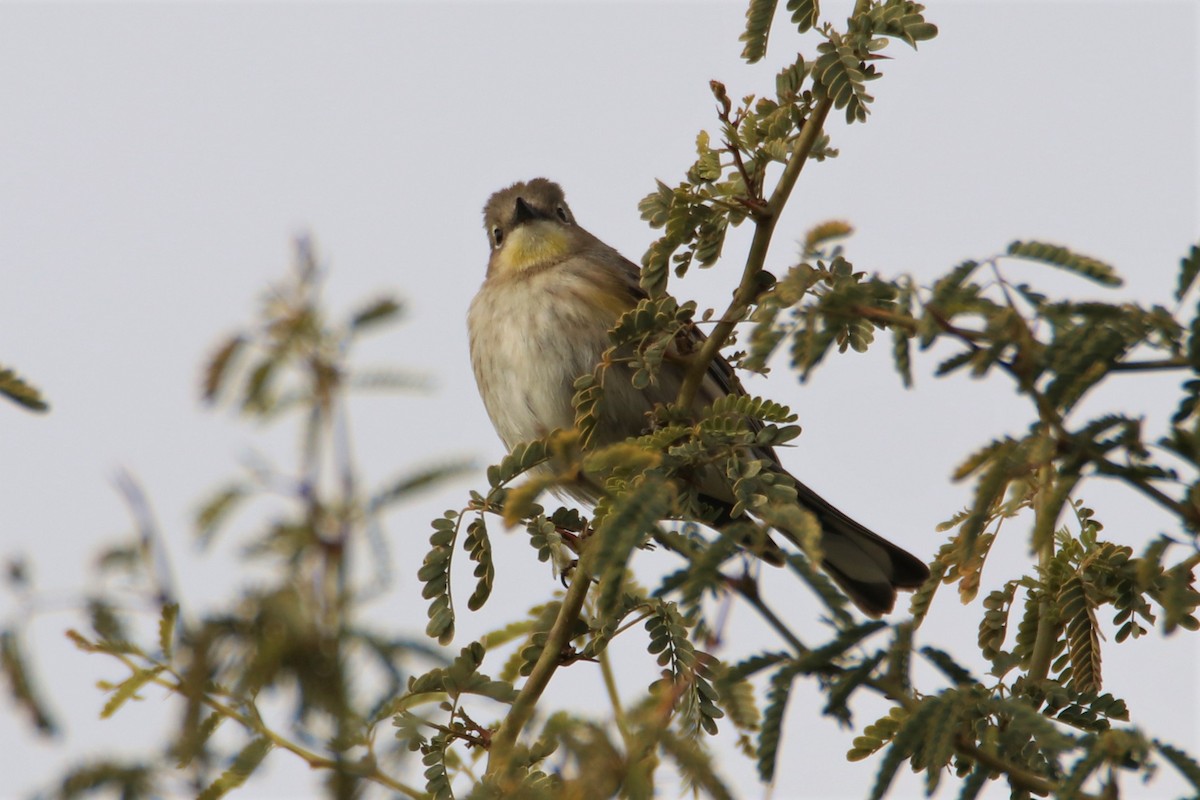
{"points": [[532, 245]]}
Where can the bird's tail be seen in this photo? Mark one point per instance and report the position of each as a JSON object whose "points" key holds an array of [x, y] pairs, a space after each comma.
{"points": [[868, 567]]}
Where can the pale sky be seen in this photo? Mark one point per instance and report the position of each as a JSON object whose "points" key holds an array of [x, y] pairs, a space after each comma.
{"points": [[155, 161]]}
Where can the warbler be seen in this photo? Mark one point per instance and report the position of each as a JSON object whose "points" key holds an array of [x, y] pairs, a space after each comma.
{"points": [[541, 320]]}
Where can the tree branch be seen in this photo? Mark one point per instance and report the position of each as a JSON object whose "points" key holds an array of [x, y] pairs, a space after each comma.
{"points": [[505, 739], [748, 589], [1150, 365], [256, 725], [614, 698], [1047, 627], [1185, 513], [1017, 776], [764, 228]]}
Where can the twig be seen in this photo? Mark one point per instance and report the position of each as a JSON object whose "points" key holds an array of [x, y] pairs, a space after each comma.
{"points": [[764, 228], [1018, 776], [1047, 626], [150, 539], [256, 725], [905, 321], [523, 707], [747, 588], [1106, 467], [614, 698], [735, 149], [1150, 365]]}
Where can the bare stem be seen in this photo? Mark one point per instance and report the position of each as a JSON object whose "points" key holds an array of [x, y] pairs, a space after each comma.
{"points": [[1047, 626], [614, 698], [748, 589], [1150, 365]]}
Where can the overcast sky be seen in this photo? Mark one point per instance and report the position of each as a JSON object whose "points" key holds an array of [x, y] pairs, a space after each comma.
{"points": [[156, 160]]}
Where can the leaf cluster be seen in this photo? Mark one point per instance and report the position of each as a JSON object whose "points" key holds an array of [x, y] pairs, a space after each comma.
{"points": [[727, 184], [1057, 353]]}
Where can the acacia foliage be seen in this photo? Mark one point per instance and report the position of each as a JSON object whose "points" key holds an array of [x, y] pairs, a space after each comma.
{"points": [[1041, 720]]}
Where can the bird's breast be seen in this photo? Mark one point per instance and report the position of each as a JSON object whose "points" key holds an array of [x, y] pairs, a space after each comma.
{"points": [[530, 338]]}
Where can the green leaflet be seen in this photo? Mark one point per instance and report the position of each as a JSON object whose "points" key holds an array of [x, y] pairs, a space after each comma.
{"points": [[243, 766], [20, 392], [21, 684], [759, 14], [634, 515], [479, 550], [435, 575], [840, 75], [1189, 268], [127, 690], [771, 732], [1182, 762], [377, 311], [1061, 257]]}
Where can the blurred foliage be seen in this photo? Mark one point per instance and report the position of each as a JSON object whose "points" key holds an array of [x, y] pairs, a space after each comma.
{"points": [[290, 664], [1040, 721], [20, 392]]}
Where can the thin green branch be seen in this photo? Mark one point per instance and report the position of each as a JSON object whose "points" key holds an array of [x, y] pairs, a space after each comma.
{"points": [[748, 589], [764, 227], [1047, 624], [639, 618], [256, 725], [614, 699], [548, 662]]}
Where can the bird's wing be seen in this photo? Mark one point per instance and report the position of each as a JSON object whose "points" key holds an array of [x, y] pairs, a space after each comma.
{"points": [[867, 566], [720, 379]]}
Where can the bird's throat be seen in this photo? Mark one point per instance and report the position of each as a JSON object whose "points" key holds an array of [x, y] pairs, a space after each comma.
{"points": [[530, 246]]}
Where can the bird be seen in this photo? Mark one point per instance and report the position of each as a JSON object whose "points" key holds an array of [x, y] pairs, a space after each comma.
{"points": [[541, 319]]}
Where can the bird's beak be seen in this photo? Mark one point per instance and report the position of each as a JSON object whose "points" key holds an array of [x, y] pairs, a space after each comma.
{"points": [[522, 212]]}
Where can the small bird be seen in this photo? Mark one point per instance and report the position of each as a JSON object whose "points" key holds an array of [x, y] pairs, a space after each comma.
{"points": [[541, 320]]}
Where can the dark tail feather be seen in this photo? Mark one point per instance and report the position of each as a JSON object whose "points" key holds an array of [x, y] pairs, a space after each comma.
{"points": [[868, 567]]}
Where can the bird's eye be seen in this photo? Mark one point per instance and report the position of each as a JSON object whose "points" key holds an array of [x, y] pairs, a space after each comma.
{"points": [[497, 236], [561, 211]]}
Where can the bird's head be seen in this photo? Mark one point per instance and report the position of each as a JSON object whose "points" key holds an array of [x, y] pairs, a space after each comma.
{"points": [[530, 227]]}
